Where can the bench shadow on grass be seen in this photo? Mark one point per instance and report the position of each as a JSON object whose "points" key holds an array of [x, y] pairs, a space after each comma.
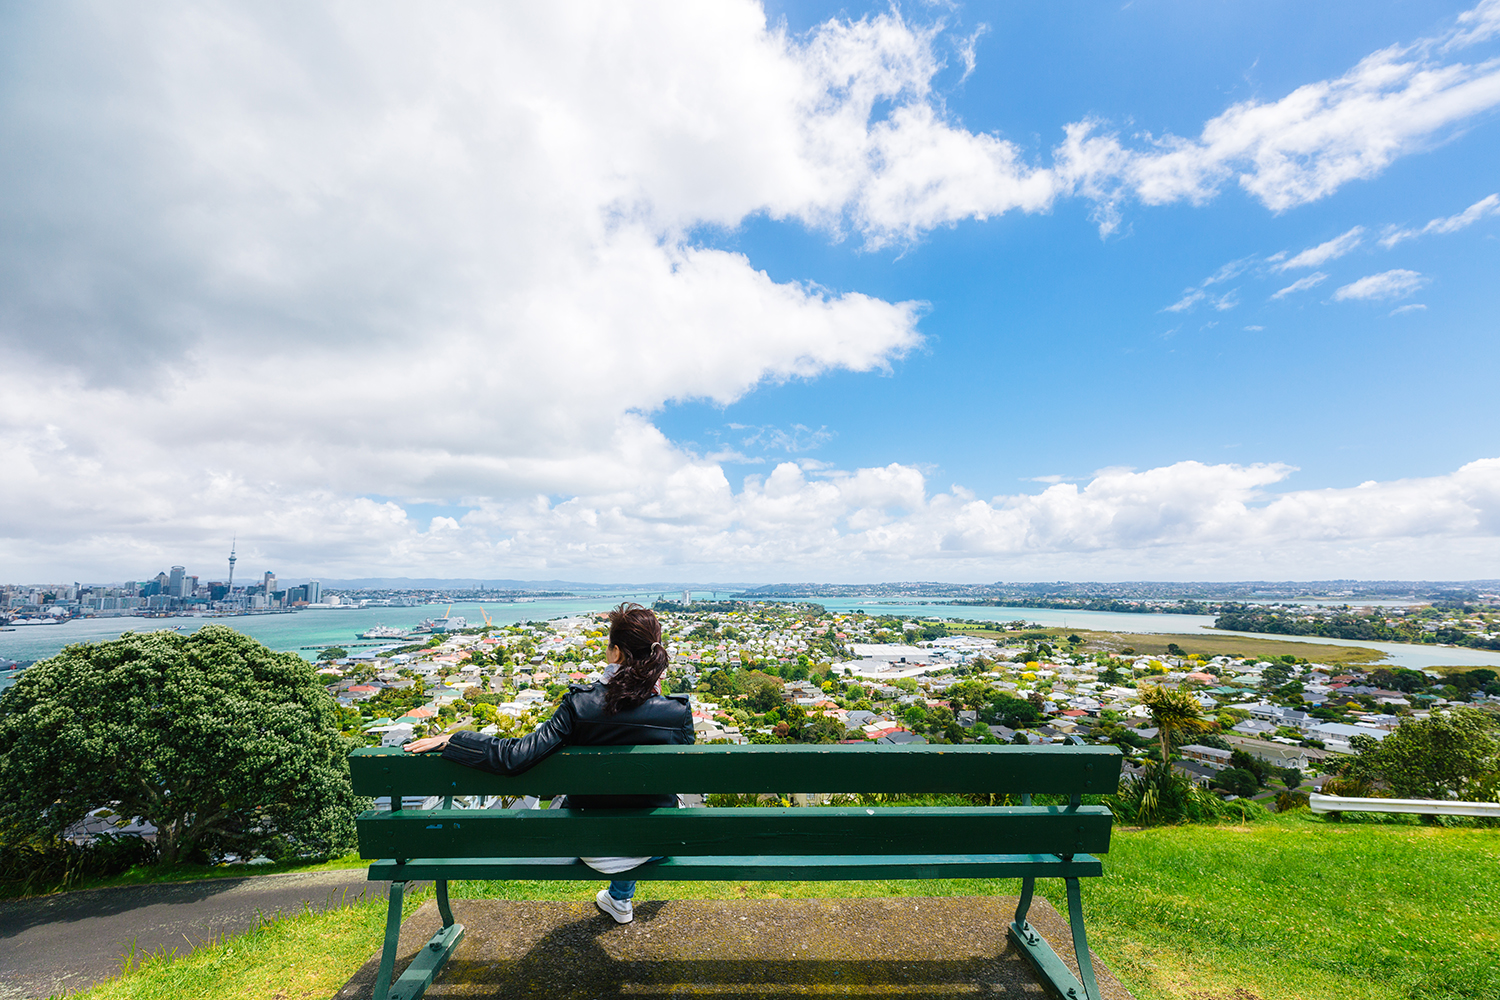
{"points": [[591, 957]]}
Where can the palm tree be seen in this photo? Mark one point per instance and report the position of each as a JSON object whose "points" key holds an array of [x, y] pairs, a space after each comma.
{"points": [[1173, 711]]}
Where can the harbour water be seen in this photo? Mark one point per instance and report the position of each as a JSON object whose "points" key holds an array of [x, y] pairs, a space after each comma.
{"points": [[308, 631]]}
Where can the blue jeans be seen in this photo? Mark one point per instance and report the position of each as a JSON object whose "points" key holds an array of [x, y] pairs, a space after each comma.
{"points": [[622, 890]]}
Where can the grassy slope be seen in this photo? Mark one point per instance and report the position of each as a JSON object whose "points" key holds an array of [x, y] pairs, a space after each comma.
{"points": [[1292, 908], [1154, 644]]}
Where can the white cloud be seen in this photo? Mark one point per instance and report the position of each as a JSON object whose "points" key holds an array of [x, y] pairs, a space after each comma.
{"points": [[768, 437], [1481, 209], [1177, 521], [1476, 25], [968, 50], [1413, 307], [1302, 147], [1392, 284], [1324, 252], [1229, 271], [1190, 298], [1302, 284]]}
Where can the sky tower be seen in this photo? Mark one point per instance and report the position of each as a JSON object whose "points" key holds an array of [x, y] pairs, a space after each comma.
{"points": [[231, 564]]}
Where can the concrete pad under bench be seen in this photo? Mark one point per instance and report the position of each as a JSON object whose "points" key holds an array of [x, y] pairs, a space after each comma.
{"points": [[949, 947]]}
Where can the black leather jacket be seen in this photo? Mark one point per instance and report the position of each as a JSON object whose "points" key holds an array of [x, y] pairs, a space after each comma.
{"points": [[582, 721]]}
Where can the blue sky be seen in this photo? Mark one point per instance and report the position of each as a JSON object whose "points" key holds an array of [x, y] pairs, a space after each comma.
{"points": [[1048, 349], [725, 291]]}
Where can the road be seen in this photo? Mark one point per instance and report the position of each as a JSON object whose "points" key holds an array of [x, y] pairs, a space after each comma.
{"points": [[70, 941]]}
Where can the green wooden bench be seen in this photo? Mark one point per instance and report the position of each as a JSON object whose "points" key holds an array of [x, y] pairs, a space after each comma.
{"points": [[796, 844]]}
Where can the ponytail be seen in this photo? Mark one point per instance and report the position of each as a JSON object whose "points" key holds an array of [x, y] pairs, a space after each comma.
{"points": [[636, 633]]}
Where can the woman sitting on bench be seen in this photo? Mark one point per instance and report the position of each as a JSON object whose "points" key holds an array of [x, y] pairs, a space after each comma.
{"points": [[623, 709]]}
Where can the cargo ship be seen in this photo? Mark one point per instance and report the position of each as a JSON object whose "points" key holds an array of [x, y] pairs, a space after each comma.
{"points": [[382, 632]]}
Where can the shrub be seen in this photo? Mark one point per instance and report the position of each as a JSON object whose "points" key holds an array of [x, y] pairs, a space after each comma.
{"points": [[36, 862]]}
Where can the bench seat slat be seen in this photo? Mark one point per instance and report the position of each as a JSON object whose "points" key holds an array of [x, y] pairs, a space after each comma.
{"points": [[1007, 770], [807, 868], [755, 831]]}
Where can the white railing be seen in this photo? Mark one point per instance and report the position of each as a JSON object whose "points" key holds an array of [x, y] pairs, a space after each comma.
{"points": [[1437, 807]]}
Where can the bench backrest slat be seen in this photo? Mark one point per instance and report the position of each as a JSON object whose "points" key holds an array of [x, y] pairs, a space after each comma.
{"points": [[1009, 770], [449, 833]]}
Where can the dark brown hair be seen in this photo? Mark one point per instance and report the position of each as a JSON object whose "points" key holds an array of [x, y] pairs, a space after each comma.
{"points": [[634, 630]]}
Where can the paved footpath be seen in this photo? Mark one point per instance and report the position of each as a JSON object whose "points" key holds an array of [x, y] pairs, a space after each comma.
{"points": [[67, 942]]}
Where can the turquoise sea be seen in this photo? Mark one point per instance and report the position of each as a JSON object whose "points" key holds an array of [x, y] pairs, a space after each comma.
{"points": [[305, 632]]}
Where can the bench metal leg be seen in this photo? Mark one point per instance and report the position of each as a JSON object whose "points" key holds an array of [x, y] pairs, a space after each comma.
{"points": [[1080, 940], [1028, 887], [428, 962], [1053, 971], [392, 935]]}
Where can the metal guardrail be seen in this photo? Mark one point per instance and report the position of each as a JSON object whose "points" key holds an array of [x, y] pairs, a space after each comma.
{"points": [[1320, 803]]}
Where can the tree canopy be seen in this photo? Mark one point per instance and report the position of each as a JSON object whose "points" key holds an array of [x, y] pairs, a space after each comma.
{"points": [[1455, 755], [225, 746]]}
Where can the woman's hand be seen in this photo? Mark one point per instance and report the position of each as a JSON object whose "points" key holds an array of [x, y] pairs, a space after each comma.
{"points": [[427, 743]]}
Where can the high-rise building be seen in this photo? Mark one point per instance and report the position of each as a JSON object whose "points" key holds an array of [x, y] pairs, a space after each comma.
{"points": [[175, 582], [314, 592], [268, 582]]}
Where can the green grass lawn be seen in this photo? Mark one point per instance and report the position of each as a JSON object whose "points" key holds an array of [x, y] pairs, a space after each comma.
{"points": [[1296, 907], [1206, 643]]}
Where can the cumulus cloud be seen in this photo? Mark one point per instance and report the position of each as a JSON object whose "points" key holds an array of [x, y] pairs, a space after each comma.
{"points": [[1152, 522], [1185, 519], [1301, 285], [399, 254], [1394, 284], [1481, 209]]}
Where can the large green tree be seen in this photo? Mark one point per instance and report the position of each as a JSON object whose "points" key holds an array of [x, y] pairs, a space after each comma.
{"points": [[225, 746], [1445, 756]]}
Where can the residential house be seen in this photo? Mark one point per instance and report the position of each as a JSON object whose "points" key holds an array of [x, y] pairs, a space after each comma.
{"points": [[1210, 757], [1336, 736], [1199, 774], [1278, 754], [1254, 727]]}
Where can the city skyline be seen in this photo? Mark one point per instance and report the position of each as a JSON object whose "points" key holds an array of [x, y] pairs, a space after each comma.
{"points": [[793, 291]]}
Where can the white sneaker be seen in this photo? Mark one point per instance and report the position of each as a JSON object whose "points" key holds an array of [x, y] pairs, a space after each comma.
{"points": [[620, 909]]}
